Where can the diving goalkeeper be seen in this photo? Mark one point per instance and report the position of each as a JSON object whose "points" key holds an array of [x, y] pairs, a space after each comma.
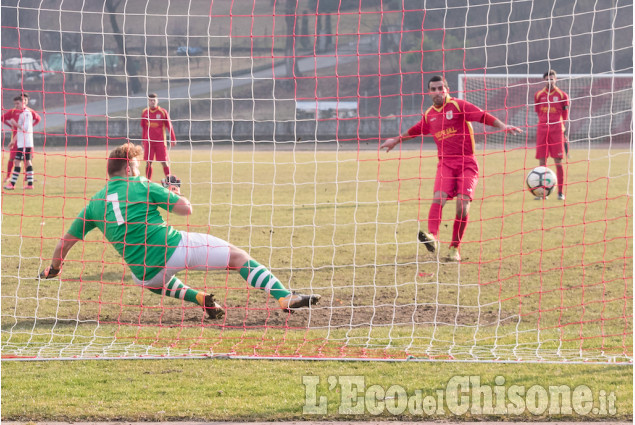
{"points": [[126, 211]]}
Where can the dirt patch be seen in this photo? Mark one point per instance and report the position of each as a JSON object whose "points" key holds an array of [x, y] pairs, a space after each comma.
{"points": [[330, 313]]}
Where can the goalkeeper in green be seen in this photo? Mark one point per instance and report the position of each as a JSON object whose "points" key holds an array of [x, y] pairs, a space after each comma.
{"points": [[126, 211]]}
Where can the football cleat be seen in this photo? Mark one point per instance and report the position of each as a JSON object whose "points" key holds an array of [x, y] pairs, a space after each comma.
{"points": [[428, 239], [212, 308], [50, 272], [561, 197], [453, 254], [8, 186], [295, 301]]}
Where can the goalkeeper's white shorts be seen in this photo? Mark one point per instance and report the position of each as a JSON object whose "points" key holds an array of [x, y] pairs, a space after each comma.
{"points": [[196, 251]]}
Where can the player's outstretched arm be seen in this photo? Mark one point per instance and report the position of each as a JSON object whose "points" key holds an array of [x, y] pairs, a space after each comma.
{"points": [[62, 248], [182, 207], [506, 128], [389, 144]]}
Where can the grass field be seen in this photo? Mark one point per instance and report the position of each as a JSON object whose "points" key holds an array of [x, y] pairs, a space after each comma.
{"points": [[539, 281], [248, 390]]}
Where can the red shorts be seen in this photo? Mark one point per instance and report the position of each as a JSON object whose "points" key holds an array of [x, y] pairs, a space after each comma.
{"points": [[457, 176], [155, 151], [550, 141]]}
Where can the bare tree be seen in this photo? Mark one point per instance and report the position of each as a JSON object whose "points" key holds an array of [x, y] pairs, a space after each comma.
{"points": [[130, 64], [290, 58], [71, 53]]}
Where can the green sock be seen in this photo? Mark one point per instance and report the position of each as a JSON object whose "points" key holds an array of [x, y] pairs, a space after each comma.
{"points": [[259, 277], [177, 289]]}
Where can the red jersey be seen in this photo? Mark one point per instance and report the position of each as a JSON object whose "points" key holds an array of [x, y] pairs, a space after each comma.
{"points": [[552, 107], [15, 114], [450, 126], [154, 124]]}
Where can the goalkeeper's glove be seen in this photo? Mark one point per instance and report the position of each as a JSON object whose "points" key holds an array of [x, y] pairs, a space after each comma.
{"points": [[172, 183], [50, 272]]}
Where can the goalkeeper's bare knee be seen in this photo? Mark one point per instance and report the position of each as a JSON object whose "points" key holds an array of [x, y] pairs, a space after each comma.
{"points": [[237, 257]]}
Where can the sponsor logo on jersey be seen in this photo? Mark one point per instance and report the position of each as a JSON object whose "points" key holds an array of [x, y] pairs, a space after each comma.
{"points": [[440, 135]]}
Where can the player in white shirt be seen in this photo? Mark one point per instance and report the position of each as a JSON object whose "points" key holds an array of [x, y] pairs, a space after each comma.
{"points": [[24, 141]]}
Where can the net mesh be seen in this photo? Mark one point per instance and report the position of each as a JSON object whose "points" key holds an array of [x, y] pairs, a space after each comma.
{"points": [[279, 109]]}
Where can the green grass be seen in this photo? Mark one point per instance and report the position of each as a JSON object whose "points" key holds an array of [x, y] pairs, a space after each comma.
{"points": [[539, 281], [221, 390]]}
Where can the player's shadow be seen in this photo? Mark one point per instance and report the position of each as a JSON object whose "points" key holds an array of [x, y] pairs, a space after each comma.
{"points": [[35, 323], [105, 277]]}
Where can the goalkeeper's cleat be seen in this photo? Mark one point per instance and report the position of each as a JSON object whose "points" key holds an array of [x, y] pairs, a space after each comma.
{"points": [[561, 197], [453, 254], [428, 239], [50, 272], [212, 308], [295, 301], [8, 186]]}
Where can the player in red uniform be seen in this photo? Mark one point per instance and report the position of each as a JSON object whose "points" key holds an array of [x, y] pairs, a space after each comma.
{"points": [[11, 118], [155, 122], [448, 121], [552, 107]]}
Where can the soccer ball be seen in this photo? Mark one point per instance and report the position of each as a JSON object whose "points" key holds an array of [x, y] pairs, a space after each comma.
{"points": [[541, 181]]}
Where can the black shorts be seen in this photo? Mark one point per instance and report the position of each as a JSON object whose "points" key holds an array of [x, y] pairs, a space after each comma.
{"points": [[23, 154]]}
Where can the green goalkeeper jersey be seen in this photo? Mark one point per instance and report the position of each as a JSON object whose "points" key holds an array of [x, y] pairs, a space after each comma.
{"points": [[127, 212]]}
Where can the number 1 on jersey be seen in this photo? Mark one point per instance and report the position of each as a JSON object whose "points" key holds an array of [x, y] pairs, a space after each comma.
{"points": [[114, 198]]}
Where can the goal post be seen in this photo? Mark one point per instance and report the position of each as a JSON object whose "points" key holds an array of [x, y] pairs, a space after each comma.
{"points": [[600, 109]]}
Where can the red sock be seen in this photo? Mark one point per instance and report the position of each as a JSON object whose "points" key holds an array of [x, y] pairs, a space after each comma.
{"points": [[166, 170], [149, 172], [434, 218], [9, 168], [560, 175], [459, 228]]}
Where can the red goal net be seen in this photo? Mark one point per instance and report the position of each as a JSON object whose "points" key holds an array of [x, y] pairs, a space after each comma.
{"points": [[279, 110]]}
